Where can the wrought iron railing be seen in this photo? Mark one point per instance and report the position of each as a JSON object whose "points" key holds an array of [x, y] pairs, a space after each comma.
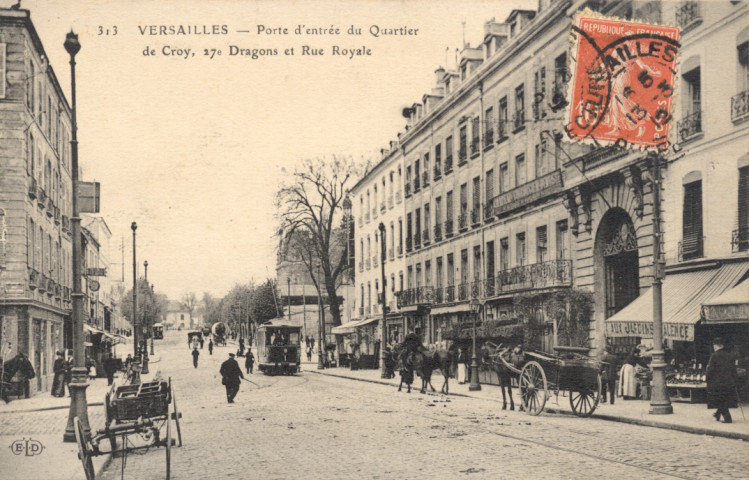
{"points": [[688, 15], [32, 188], [438, 232], [690, 125], [502, 130], [740, 106], [476, 216], [518, 120], [449, 293], [463, 290], [477, 289], [437, 172], [425, 236], [448, 228], [489, 290], [488, 212], [740, 240], [488, 137], [415, 296], [448, 164], [552, 273], [475, 145], [439, 295], [463, 221], [462, 156]]}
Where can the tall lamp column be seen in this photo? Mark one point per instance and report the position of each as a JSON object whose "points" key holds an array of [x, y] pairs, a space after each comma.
{"points": [[320, 362], [78, 385], [383, 333], [136, 323], [475, 385]]}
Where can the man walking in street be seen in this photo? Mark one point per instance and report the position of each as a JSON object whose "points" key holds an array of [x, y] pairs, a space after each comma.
{"points": [[608, 376], [210, 346], [230, 375], [721, 382], [249, 360], [195, 354], [110, 366]]}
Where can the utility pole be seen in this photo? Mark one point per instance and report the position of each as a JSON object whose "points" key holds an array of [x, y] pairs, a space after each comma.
{"points": [[136, 325], [383, 335]]}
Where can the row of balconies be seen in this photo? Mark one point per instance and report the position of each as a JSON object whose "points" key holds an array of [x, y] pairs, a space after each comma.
{"points": [[45, 284], [549, 274], [44, 201]]}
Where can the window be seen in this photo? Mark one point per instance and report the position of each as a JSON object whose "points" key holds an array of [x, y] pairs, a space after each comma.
{"points": [[426, 222], [416, 176], [743, 232], [400, 236], [560, 79], [504, 178], [476, 199], [408, 231], [562, 240], [541, 244], [449, 206], [392, 239], [489, 259], [400, 280], [539, 93], [30, 249], [437, 160], [38, 255], [427, 273], [418, 275], [361, 298], [477, 263], [448, 155], [450, 269], [463, 144], [475, 135], [417, 227], [504, 253], [520, 249], [543, 160], [489, 186], [519, 107], [691, 246], [464, 266], [369, 294], [520, 177], [503, 118], [463, 198], [426, 169], [743, 51], [437, 211], [489, 127], [691, 122], [369, 207], [438, 279]]}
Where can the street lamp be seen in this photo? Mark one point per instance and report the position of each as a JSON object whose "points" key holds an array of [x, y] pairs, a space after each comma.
{"points": [[145, 305], [320, 326], [78, 385], [475, 385], [288, 299], [383, 335], [136, 326]]}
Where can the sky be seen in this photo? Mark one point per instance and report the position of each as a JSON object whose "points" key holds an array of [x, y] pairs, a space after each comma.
{"points": [[193, 149]]}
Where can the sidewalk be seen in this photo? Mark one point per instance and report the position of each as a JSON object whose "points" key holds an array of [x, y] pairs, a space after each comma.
{"points": [[41, 421], [691, 418]]}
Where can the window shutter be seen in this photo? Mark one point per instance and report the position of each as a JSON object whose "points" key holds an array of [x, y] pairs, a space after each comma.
{"points": [[692, 228], [744, 202]]}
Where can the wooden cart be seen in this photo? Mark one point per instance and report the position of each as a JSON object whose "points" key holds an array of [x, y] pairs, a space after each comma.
{"points": [[140, 410], [542, 373]]}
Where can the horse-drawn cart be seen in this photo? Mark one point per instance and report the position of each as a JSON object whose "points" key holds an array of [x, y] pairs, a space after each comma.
{"points": [[140, 411], [572, 372]]}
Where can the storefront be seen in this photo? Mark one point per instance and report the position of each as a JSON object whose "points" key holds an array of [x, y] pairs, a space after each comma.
{"points": [[687, 339], [359, 339]]}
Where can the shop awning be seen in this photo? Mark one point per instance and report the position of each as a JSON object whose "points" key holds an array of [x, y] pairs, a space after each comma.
{"points": [[367, 321], [730, 307], [349, 327], [462, 307], [683, 294]]}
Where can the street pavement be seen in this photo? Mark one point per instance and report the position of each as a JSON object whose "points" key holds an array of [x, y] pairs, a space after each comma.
{"points": [[319, 426]]}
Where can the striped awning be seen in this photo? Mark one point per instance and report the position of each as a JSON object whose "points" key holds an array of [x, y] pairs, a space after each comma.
{"points": [[461, 307], [683, 294], [730, 307], [350, 327]]}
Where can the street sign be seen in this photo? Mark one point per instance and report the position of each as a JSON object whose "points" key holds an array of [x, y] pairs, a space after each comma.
{"points": [[88, 197], [96, 272]]}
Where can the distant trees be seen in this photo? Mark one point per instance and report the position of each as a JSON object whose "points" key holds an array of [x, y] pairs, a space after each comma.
{"points": [[151, 305], [189, 302], [243, 308]]}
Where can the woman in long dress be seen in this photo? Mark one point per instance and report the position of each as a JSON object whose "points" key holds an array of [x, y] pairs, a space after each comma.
{"points": [[58, 383], [462, 365], [627, 381]]}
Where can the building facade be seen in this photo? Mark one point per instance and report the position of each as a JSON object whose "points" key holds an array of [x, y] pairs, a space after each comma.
{"points": [[35, 200], [499, 205]]}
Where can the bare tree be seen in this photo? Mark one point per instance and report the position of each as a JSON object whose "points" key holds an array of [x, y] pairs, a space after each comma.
{"points": [[190, 302], [310, 205]]}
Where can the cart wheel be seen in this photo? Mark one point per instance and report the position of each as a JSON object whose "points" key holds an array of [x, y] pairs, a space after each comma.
{"points": [[584, 401], [533, 388], [168, 444], [175, 413], [84, 454]]}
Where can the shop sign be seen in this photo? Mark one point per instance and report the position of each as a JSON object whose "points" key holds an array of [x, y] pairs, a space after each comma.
{"points": [[96, 272], [675, 331], [14, 289], [726, 313]]}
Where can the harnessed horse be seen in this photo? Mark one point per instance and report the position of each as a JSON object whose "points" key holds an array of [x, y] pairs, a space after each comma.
{"points": [[497, 358]]}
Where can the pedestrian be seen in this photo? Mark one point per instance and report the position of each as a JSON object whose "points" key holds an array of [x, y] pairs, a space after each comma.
{"points": [[195, 354], [230, 375], [91, 370], [110, 367], [68, 370], [210, 346], [309, 353], [721, 382], [462, 365], [128, 361], [201, 343], [58, 383], [241, 347], [249, 360], [627, 381], [608, 375]]}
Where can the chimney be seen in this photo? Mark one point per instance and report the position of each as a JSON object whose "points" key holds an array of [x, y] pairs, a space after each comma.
{"points": [[438, 75]]}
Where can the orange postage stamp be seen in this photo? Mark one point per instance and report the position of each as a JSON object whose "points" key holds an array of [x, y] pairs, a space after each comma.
{"points": [[622, 82]]}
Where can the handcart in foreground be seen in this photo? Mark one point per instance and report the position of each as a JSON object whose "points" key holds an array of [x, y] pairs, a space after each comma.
{"points": [[137, 414], [542, 373]]}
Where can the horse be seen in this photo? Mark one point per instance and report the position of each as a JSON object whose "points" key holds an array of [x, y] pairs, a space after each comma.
{"points": [[492, 356], [425, 363]]}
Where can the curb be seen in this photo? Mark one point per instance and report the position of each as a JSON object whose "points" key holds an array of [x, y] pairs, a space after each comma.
{"points": [[610, 418], [43, 409]]}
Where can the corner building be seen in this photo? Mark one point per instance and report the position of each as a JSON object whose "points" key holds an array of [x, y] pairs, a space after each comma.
{"points": [[499, 203], [35, 201]]}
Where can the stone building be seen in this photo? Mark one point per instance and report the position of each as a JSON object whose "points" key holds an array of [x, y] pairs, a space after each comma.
{"points": [[35, 200]]}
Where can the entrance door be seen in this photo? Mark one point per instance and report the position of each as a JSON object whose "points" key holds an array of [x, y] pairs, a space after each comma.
{"points": [[621, 263]]}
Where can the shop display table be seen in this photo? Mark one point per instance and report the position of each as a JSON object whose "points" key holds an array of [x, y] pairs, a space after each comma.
{"points": [[687, 392]]}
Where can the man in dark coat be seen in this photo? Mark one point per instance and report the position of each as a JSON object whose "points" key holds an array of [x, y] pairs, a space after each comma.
{"points": [[721, 382], [110, 367], [25, 373], [195, 353], [249, 360], [58, 383], [210, 346], [609, 372], [230, 375]]}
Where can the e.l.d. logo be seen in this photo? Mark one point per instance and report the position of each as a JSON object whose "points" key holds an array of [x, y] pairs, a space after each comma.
{"points": [[26, 447]]}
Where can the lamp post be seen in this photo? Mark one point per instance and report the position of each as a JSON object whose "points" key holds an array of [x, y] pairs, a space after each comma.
{"points": [[78, 385], [145, 305], [136, 326], [320, 327], [659, 401], [475, 385], [383, 335], [288, 299]]}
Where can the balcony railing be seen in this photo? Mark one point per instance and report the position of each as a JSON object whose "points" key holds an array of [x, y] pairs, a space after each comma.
{"points": [[502, 134], [437, 172], [740, 106], [374, 261], [448, 164], [449, 293], [477, 289], [463, 290], [740, 240], [407, 188], [462, 156], [57, 215], [409, 244], [553, 273], [391, 254], [383, 207], [475, 141], [518, 120], [489, 287], [398, 198], [527, 193], [34, 279], [417, 183], [448, 228], [476, 216], [417, 239], [438, 232], [425, 179], [361, 265], [439, 295], [488, 212], [690, 126], [32, 188], [400, 250], [488, 137], [368, 264], [425, 236], [690, 248], [688, 15], [463, 221], [415, 296]]}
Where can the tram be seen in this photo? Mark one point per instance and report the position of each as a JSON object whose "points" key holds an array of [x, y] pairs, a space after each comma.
{"points": [[158, 331], [277, 347]]}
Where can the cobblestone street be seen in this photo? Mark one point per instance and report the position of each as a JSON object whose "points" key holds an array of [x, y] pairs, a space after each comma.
{"points": [[315, 426]]}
